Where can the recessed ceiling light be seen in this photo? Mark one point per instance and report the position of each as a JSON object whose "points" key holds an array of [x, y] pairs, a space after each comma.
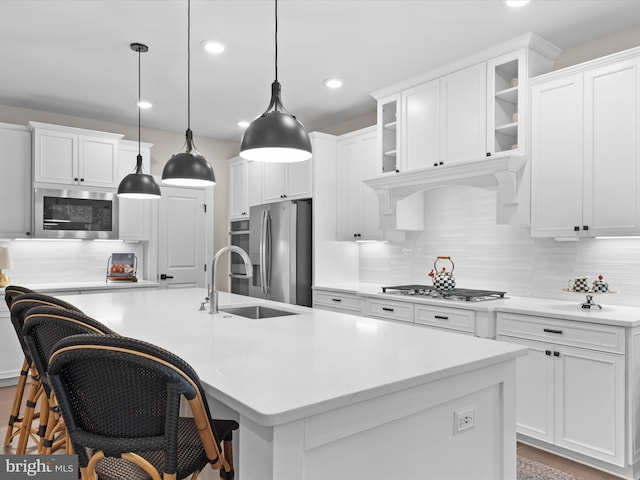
{"points": [[144, 104], [516, 3], [214, 46], [333, 83], [243, 124]]}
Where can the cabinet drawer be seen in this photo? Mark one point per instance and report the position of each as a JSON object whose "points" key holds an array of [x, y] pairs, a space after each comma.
{"points": [[389, 310], [564, 332], [451, 318], [342, 301]]}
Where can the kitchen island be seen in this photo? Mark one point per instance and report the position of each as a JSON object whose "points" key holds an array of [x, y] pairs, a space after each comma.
{"points": [[324, 395]]}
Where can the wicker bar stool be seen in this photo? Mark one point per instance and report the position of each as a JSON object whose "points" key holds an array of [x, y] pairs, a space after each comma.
{"points": [[21, 423], [15, 417], [120, 399], [43, 328]]}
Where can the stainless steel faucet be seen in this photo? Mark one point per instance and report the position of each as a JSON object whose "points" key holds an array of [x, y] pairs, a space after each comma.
{"points": [[248, 266]]}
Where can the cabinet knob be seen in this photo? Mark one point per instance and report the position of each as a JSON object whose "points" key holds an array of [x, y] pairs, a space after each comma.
{"points": [[576, 228], [75, 179], [585, 227], [397, 171], [441, 163], [82, 179], [556, 354], [435, 164], [547, 352], [488, 154]]}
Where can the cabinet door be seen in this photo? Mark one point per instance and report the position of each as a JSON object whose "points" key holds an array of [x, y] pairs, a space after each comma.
{"points": [[534, 389], [348, 211], [238, 189], [98, 161], [15, 181], [367, 199], [556, 157], [273, 182], [421, 126], [254, 170], [464, 114], [589, 403], [134, 213], [55, 157], [298, 180], [611, 154], [11, 355]]}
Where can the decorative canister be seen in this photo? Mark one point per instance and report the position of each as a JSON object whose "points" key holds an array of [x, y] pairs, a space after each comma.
{"points": [[600, 286], [443, 280], [579, 284]]}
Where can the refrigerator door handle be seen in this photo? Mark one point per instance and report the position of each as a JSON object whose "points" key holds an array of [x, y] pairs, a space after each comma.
{"points": [[265, 252]]}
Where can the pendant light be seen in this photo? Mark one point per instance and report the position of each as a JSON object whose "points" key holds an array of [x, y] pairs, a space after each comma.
{"points": [[276, 135], [138, 184], [188, 168]]}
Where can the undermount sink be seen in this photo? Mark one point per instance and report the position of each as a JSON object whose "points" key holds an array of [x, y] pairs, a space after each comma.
{"points": [[256, 311]]}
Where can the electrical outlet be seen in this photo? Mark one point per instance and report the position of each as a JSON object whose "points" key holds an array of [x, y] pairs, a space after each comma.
{"points": [[464, 419]]}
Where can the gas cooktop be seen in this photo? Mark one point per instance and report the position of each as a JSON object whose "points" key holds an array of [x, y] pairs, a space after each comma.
{"points": [[459, 294]]}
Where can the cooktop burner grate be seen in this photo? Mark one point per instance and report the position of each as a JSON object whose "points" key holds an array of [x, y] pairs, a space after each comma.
{"points": [[461, 294]]}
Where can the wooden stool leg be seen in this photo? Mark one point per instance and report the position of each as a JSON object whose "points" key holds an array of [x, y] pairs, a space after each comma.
{"points": [[35, 392], [227, 448], [15, 420]]}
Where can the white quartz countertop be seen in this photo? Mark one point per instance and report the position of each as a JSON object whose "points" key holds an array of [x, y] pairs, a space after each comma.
{"points": [[625, 316], [86, 286], [281, 369]]}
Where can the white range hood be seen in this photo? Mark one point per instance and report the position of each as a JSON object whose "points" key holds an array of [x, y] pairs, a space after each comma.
{"points": [[502, 173]]}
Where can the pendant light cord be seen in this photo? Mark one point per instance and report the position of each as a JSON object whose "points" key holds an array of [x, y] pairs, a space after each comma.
{"points": [[139, 96], [188, 64], [276, 39]]}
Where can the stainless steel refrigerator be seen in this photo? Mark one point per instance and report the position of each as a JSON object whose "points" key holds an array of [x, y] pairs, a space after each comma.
{"points": [[280, 250]]}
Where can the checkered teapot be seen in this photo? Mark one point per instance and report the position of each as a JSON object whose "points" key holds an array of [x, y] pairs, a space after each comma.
{"points": [[442, 279]]}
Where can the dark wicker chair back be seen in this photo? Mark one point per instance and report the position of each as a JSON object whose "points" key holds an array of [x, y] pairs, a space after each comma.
{"points": [[20, 306], [44, 326], [12, 291], [120, 398]]}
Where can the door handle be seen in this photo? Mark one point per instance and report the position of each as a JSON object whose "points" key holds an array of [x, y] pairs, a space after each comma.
{"points": [[164, 276]]}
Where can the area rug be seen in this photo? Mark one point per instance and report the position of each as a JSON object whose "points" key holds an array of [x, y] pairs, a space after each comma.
{"points": [[532, 470]]}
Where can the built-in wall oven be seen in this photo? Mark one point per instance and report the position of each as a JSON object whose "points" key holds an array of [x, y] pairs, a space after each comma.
{"points": [[68, 213]]}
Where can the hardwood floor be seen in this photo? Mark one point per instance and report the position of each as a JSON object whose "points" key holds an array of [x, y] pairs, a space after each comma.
{"points": [[581, 471]]}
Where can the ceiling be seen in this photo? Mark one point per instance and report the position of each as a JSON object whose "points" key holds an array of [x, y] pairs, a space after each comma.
{"points": [[73, 57]]}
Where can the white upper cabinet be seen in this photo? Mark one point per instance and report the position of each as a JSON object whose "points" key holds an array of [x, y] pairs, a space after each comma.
{"points": [[585, 160], [15, 181], [463, 114], [421, 118], [134, 213], [357, 205], [286, 181], [73, 156], [238, 188]]}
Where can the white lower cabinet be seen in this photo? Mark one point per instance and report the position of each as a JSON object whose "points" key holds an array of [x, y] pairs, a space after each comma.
{"points": [[390, 310], [456, 319], [11, 356], [337, 301], [568, 395]]}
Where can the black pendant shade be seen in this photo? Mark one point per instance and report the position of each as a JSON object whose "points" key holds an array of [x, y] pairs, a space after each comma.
{"points": [[188, 168], [276, 135], [138, 184]]}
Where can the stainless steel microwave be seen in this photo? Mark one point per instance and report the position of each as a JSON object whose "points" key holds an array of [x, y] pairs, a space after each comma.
{"points": [[75, 214]]}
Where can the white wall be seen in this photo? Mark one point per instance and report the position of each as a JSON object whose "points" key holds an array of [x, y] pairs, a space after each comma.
{"points": [[460, 222]]}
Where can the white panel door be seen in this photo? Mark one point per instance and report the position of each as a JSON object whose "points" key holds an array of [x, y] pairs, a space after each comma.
{"points": [[611, 158], [534, 389], [273, 182], [98, 161], [421, 126], [182, 236], [557, 158], [16, 186], [463, 108], [589, 392], [298, 180]]}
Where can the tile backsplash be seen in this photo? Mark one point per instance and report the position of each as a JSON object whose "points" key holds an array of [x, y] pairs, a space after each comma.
{"points": [[460, 222], [63, 261]]}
